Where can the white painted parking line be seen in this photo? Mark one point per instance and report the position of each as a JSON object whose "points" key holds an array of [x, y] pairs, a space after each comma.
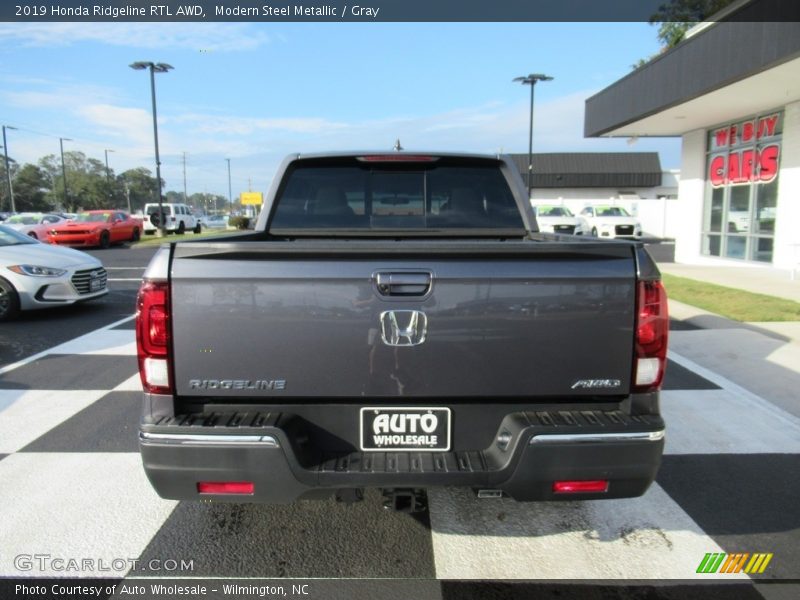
{"points": [[723, 422], [729, 386], [106, 342], [132, 384], [72, 505], [639, 538], [27, 414]]}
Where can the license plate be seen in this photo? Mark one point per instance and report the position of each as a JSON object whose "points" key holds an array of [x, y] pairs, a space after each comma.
{"points": [[405, 429], [95, 285]]}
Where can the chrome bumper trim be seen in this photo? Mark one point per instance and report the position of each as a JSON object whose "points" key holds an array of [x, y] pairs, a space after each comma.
{"points": [[193, 439], [595, 438]]}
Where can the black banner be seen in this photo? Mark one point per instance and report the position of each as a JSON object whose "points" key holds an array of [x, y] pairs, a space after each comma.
{"points": [[320, 11]]}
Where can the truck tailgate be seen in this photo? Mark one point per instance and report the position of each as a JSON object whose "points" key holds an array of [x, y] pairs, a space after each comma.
{"points": [[294, 319]]}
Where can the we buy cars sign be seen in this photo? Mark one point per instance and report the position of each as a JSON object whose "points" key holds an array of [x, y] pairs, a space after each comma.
{"points": [[750, 152]]}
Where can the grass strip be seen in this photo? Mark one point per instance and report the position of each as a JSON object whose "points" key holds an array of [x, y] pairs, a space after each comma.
{"points": [[735, 304], [153, 240]]}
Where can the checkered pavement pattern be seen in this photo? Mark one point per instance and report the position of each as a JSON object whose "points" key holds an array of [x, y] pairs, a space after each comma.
{"points": [[73, 486]]}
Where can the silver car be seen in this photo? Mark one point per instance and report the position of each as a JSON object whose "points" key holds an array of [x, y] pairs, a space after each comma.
{"points": [[36, 275]]}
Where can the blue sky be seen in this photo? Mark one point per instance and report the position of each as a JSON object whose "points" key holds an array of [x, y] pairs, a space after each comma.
{"points": [[254, 92]]}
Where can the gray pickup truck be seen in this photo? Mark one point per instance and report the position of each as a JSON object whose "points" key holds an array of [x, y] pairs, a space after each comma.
{"points": [[396, 321]]}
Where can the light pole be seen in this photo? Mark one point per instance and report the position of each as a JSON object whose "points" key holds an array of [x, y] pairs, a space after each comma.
{"points": [[185, 195], [64, 168], [155, 68], [230, 197], [531, 81], [8, 172], [108, 174]]}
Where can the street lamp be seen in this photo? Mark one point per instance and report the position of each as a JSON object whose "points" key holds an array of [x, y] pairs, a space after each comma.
{"points": [[64, 168], [531, 80], [8, 172], [108, 174], [230, 197], [155, 68]]}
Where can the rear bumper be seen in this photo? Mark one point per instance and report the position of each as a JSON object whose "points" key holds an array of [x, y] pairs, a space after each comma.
{"points": [[528, 456]]}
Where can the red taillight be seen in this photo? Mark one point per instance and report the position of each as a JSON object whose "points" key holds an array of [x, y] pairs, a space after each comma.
{"points": [[580, 487], [652, 329], [225, 487], [153, 336], [397, 158]]}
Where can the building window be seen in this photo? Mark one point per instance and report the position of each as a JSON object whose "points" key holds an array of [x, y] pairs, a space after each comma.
{"points": [[742, 163]]}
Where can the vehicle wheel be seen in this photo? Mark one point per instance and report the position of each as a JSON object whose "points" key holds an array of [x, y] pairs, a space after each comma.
{"points": [[136, 234], [105, 240], [181, 228], [33, 235], [594, 231], [9, 301], [198, 228]]}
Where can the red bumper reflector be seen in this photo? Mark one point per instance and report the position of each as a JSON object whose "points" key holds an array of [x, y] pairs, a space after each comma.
{"points": [[225, 487], [578, 487]]}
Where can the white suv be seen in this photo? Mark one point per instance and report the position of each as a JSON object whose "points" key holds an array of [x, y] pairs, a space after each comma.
{"points": [[178, 218]]}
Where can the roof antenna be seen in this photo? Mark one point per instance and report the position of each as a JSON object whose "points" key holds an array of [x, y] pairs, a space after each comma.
{"points": [[397, 146]]}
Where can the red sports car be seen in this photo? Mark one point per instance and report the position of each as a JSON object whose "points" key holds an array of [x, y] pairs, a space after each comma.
{"points": [[96, 228]]}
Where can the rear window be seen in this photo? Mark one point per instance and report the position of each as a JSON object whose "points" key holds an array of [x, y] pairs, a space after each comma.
{"points": [[350, 194]]}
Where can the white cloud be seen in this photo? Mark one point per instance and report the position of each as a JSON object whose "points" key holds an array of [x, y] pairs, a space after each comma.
{"points": [[215, 124], [208, 37]]}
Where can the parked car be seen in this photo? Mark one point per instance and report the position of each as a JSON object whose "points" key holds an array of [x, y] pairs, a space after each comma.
{"points": [[214, 221], [557, 219], [35, 275], [35, 225], [177, 218], [97, 228], [611, 222]]}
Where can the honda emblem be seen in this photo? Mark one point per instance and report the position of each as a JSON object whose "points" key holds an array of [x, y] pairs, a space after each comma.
{"points": [[403, 327]]}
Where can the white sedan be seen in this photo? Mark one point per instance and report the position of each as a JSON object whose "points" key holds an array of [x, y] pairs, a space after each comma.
{"points": [[36, 275], [33, 224], [557, 219], [611, 222]]}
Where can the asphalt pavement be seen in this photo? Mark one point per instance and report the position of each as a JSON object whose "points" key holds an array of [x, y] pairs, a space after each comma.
{"points": [[73, 484]]}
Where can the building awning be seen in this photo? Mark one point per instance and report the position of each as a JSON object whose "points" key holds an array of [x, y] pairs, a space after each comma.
{"points": [[745, 64], [592, 169]]}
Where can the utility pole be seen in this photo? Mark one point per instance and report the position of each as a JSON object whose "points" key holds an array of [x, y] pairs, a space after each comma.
{"points": [[64, 170], [230, 196], [8, 171], [185, 195], [108, 175]]}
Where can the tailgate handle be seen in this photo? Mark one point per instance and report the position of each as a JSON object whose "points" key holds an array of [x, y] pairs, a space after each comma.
{"points": [[403, 284]]}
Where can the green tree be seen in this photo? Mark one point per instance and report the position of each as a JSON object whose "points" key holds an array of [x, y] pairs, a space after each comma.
{"points": [[141, 185], [13, 167], [676, 17], [31, 186], [175, 197], [208, 203]]}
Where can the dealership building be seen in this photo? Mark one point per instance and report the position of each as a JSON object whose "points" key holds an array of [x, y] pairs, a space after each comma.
{"points": [[731, 91]]}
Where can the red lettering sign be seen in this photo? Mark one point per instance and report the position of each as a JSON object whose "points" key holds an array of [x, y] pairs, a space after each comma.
{"points": [[717, 171], [768, 161], [745, 166], [748, 129], [766, 126]]}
